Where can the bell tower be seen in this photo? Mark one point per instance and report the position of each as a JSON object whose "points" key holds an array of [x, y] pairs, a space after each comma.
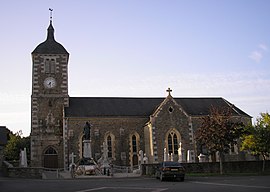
{"points": [[49, 97]]}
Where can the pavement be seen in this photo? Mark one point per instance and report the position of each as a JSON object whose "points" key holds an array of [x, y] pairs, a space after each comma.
{"points": [[67, 175], [142, 184], [115, 175]]}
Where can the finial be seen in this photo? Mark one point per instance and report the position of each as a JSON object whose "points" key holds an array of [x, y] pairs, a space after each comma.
{"points": [[51, 10], [169, 91]]}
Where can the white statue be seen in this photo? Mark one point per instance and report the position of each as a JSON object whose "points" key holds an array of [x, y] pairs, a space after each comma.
{"points": [[145, 159], [23, 158], [141, 156], [165, 158], [180, 154]]}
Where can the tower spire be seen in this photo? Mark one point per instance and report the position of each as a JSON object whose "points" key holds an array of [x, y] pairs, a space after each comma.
{"points": [[51, 10], [50, 34]]}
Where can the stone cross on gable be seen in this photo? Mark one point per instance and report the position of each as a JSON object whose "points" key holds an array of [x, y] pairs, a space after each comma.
{"points": [[169, 91]]}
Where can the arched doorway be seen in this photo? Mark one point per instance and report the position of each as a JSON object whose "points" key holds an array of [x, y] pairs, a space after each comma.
{"points": [[50, 158]]}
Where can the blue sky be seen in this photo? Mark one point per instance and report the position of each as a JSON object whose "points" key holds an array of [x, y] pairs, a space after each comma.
{"points": [[139, 48]]}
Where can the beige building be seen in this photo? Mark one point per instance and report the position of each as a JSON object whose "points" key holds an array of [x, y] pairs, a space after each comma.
{"points": [[120, 127]]}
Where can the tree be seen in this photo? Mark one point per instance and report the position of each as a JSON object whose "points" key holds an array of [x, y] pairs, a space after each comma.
{"points": [[219, 131], [15, 143], [257, 138]]}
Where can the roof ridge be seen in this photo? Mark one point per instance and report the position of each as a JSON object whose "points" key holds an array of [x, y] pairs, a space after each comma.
{"points": [[138, 106]]}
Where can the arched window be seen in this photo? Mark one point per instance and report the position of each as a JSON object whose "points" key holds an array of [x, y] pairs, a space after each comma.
{"points": [[134, 144], [109, 145], [172, 143], [50, 151]]}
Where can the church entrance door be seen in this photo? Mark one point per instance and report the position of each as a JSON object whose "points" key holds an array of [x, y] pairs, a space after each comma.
{"points": [[135, 160], [51, 161], [50, 158]]}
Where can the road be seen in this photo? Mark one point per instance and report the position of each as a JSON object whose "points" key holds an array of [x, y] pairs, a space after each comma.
{"points": [[139, 184]]}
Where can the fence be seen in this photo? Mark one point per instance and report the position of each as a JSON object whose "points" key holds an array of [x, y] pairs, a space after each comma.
{"points": [[30, 172], [213, 167], [147, 169]]}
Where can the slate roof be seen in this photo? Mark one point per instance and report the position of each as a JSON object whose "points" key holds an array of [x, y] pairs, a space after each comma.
{"points": [[142, 107], [50, 46]]}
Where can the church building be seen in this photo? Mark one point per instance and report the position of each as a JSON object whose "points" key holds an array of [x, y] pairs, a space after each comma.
{"points": [[121, 127]]}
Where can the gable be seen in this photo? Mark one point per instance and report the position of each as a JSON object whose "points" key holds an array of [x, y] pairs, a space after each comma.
{"points": [[140, 107], [169, 104]]}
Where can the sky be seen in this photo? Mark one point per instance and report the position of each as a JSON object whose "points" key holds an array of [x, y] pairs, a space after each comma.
{"points": [[139, 48]]}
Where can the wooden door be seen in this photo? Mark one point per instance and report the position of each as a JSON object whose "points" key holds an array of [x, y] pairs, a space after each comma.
{"points": [[50, 158]]}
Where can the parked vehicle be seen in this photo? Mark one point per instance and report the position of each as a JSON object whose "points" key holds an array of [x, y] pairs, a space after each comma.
{"points": [[87, 166], [170, 170]]}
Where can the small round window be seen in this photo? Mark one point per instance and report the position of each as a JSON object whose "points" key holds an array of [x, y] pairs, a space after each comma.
{"points": [[170, 109]]}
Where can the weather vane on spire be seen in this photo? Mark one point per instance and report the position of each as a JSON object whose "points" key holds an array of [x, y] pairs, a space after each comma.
{"points": [[51, 10]]}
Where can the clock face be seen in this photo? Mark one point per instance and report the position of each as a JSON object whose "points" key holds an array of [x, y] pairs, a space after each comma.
{"points": [[49, 82]]}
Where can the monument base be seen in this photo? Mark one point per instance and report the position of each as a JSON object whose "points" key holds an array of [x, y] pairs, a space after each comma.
{"points": [[87, 153]]}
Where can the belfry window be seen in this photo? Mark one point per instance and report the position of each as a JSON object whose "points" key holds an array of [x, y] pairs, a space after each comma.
{"points": [[172, 143], [50, 66], [47, 66]]}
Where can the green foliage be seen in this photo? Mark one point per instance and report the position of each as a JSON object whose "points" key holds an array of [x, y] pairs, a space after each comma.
{"points": [[15, 143], [257, 137], [264, 120]]}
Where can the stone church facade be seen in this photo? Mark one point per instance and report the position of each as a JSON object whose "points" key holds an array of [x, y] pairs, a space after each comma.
{"points": [[120, 127]]}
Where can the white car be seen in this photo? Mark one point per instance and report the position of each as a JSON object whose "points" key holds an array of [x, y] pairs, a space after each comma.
{"points": [[87, 166]]}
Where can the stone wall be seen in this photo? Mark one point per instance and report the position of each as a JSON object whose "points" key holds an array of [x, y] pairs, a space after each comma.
{"points": [[20, 172], [121, 128], [47, 107], [228, 167], [170, 118]]}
